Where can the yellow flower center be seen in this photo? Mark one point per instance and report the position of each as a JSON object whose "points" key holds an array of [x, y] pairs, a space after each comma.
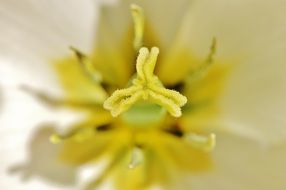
{"points": [[139, 128], [145, 100]]}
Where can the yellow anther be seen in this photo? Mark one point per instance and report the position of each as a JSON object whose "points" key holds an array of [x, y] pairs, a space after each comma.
{"points": [[87, 65], [146, 86], [205, 143], [137, 157], [55, 139], [138, 19], [78, 135]]}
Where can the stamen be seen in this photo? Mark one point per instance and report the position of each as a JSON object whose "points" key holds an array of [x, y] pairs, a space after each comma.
{"points": [[137, 157], [138, 19], [78, 135], [58, 102], [205, 143], [56, 139], [146, 86], [202, 70], [212, 51], [87, 65]]}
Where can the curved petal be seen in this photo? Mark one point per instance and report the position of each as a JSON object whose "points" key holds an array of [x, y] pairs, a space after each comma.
{"points": [[250, 37], [78, 86], [26, 153], [243, 164], [254, 96], [115, 34], [168, 27], [31, 35], [165, 23], [243, 28], [113, 52]]}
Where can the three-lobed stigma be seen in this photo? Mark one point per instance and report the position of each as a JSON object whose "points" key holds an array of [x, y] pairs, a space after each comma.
{"points": [[146, 86]]}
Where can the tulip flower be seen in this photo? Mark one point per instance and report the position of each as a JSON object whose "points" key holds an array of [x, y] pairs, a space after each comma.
{"points": [[133, 94]]}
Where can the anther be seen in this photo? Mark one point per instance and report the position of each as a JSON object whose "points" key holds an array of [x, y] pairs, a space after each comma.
{"points": [[55, 139], [137, 157], [205, 143], [78, 135]]}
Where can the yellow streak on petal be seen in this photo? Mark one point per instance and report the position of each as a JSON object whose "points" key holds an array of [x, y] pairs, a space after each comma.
{"points": [[176, 63], [77, 85], [88, 66], [163, 156], [203, 112]]}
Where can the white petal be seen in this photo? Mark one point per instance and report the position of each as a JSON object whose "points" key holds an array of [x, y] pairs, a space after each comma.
{"points": [[25, 148], [241, 27], [35, 31], [32, 33], [243, 164], [250, 36], [164, 24], [166, 18], [53, 23], [255, 96]]}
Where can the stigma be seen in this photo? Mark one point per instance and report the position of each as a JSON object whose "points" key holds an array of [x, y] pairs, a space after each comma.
{"points": [[146, 86]]}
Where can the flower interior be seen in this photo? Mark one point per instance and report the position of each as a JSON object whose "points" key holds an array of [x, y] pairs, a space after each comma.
{"points": [[145, 123]]}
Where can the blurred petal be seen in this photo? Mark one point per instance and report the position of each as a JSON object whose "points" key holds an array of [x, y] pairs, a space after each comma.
{"points": [[25, 151], [242, 28], [77, 85], [90, 149], [165, 23], [115, 34], [169, 26], [179, 56], [254, 96], [251, 104], [202, 110], [250, 37], [31, 35], [113, 53], [243, 164]]}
